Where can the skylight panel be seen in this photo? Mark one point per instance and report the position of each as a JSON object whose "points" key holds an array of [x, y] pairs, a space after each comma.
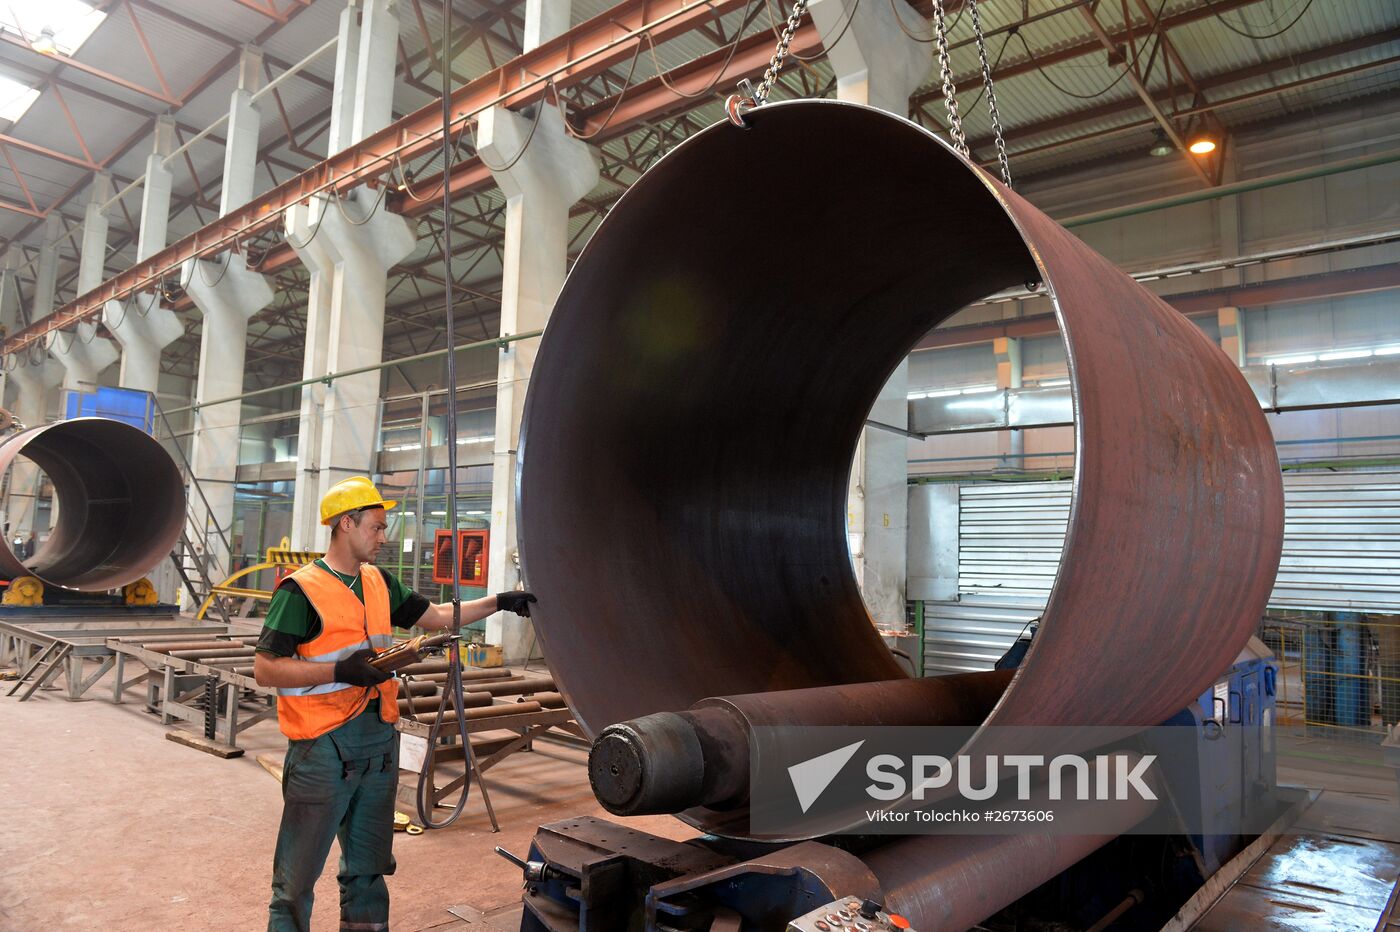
{"points": [[49, 26], [15, 98]]}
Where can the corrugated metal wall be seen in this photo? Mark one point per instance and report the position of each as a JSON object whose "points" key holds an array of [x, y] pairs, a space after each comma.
{"points": [[1341, 552]]}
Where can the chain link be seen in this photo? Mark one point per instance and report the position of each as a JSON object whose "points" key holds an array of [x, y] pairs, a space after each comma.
{"points": [[991, 94], [950, 90], [775, 64]]}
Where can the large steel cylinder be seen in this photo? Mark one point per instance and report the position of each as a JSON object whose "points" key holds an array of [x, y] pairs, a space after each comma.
{"points": [[119, 497], [706, 375]]}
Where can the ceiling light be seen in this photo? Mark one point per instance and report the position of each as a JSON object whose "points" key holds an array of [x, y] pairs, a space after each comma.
{"points": [[1343, 354], [1160, 145], [1290, 360], [44, 43], [1201, 144], [51, 27]]}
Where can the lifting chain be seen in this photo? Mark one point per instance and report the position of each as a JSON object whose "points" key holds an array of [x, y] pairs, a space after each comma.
{"points": [[991, 93], [945, 71], [950, 90], [737, 104]]}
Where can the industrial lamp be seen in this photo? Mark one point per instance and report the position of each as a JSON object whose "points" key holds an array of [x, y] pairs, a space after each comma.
{"points": [[44, 43], [1160, 145], [1201, 144]]}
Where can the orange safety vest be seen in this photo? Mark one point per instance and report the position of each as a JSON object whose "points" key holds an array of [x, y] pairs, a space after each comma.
{"points": [[347, 625]]}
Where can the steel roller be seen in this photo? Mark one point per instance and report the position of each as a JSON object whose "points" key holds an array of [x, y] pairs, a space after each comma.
{"points": [[119, 497], [706, 375]]}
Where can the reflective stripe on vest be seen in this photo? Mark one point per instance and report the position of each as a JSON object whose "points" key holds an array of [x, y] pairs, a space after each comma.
{"points": [[347, 625]]}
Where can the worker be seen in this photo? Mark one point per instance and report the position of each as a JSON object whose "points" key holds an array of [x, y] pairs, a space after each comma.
{"points": [[341, 771]]}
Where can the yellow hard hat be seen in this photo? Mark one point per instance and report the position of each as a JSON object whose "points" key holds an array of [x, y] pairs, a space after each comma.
{"points": [[351, 495]]}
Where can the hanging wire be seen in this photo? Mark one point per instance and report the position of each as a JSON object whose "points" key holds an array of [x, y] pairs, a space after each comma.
{"points": [[1154, 32], [826, 43], [626, 85], [899, 20], [374, 208], [199, 267], [407, 188], [1248, 35], [539, 112], [719, 73], [320, 219]]}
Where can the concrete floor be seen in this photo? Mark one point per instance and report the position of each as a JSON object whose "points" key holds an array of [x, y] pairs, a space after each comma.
{"points": [[109, 825]]}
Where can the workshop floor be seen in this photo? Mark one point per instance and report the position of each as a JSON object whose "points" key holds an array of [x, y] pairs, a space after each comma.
{"points": [[109, 825]]}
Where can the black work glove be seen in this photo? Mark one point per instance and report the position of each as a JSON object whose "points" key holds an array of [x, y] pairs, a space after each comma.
{"points": [[356, 670], [518, 602]]}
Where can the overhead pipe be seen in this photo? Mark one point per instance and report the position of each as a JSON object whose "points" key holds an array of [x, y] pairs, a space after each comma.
{"points": [[119, 497]]}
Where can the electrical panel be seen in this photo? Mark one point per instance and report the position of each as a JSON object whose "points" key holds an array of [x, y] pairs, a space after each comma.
{"points": [[473, 545]]}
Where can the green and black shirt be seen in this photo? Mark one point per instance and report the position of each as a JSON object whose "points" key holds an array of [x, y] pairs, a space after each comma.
{"points": [[291, 621]]}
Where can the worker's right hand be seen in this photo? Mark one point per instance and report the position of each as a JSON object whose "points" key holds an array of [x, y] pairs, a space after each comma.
{"points": [[357, 671]]}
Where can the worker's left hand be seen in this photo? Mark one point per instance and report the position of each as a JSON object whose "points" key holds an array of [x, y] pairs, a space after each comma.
{"points": [[518, 602]]}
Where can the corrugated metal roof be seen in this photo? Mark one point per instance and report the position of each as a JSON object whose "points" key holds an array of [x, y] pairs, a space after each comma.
{"points": [[1096, 112]]}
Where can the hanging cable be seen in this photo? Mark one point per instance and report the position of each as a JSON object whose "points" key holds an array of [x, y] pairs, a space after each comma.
{"points": [[1128, 68], [453, 687], [539, 112], [1249, 35]]}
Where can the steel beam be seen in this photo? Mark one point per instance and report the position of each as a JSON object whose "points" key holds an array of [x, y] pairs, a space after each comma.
{"points": [[1196, 304]]}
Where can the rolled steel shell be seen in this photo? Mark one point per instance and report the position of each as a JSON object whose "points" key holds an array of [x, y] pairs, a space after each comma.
{"points": [[706, 375], [120, 502]]}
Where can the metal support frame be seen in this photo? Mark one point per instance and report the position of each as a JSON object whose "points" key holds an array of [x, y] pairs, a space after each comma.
{"points": [[527, 727], [47, 647], [219, 702]]}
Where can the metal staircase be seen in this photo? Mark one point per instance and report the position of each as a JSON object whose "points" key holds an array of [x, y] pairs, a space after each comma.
{"points": [[198, 564]]}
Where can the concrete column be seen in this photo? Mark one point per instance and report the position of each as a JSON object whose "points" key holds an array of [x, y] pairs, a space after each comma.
{"points": [[36, 386], [877, 64], [545, 19], [10, 319], [141, 326], [144, 329], [347, 62], [94, 255], [46, 272], [1009, 376], [155, 194], [546, 179], [373, 107], [1232, 341], [241, 150], [227, 294], [349, 248], [83, 354]]}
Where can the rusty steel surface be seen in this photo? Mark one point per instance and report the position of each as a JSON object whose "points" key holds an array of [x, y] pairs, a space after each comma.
{"points": [[706, 374], [119, 497]]}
